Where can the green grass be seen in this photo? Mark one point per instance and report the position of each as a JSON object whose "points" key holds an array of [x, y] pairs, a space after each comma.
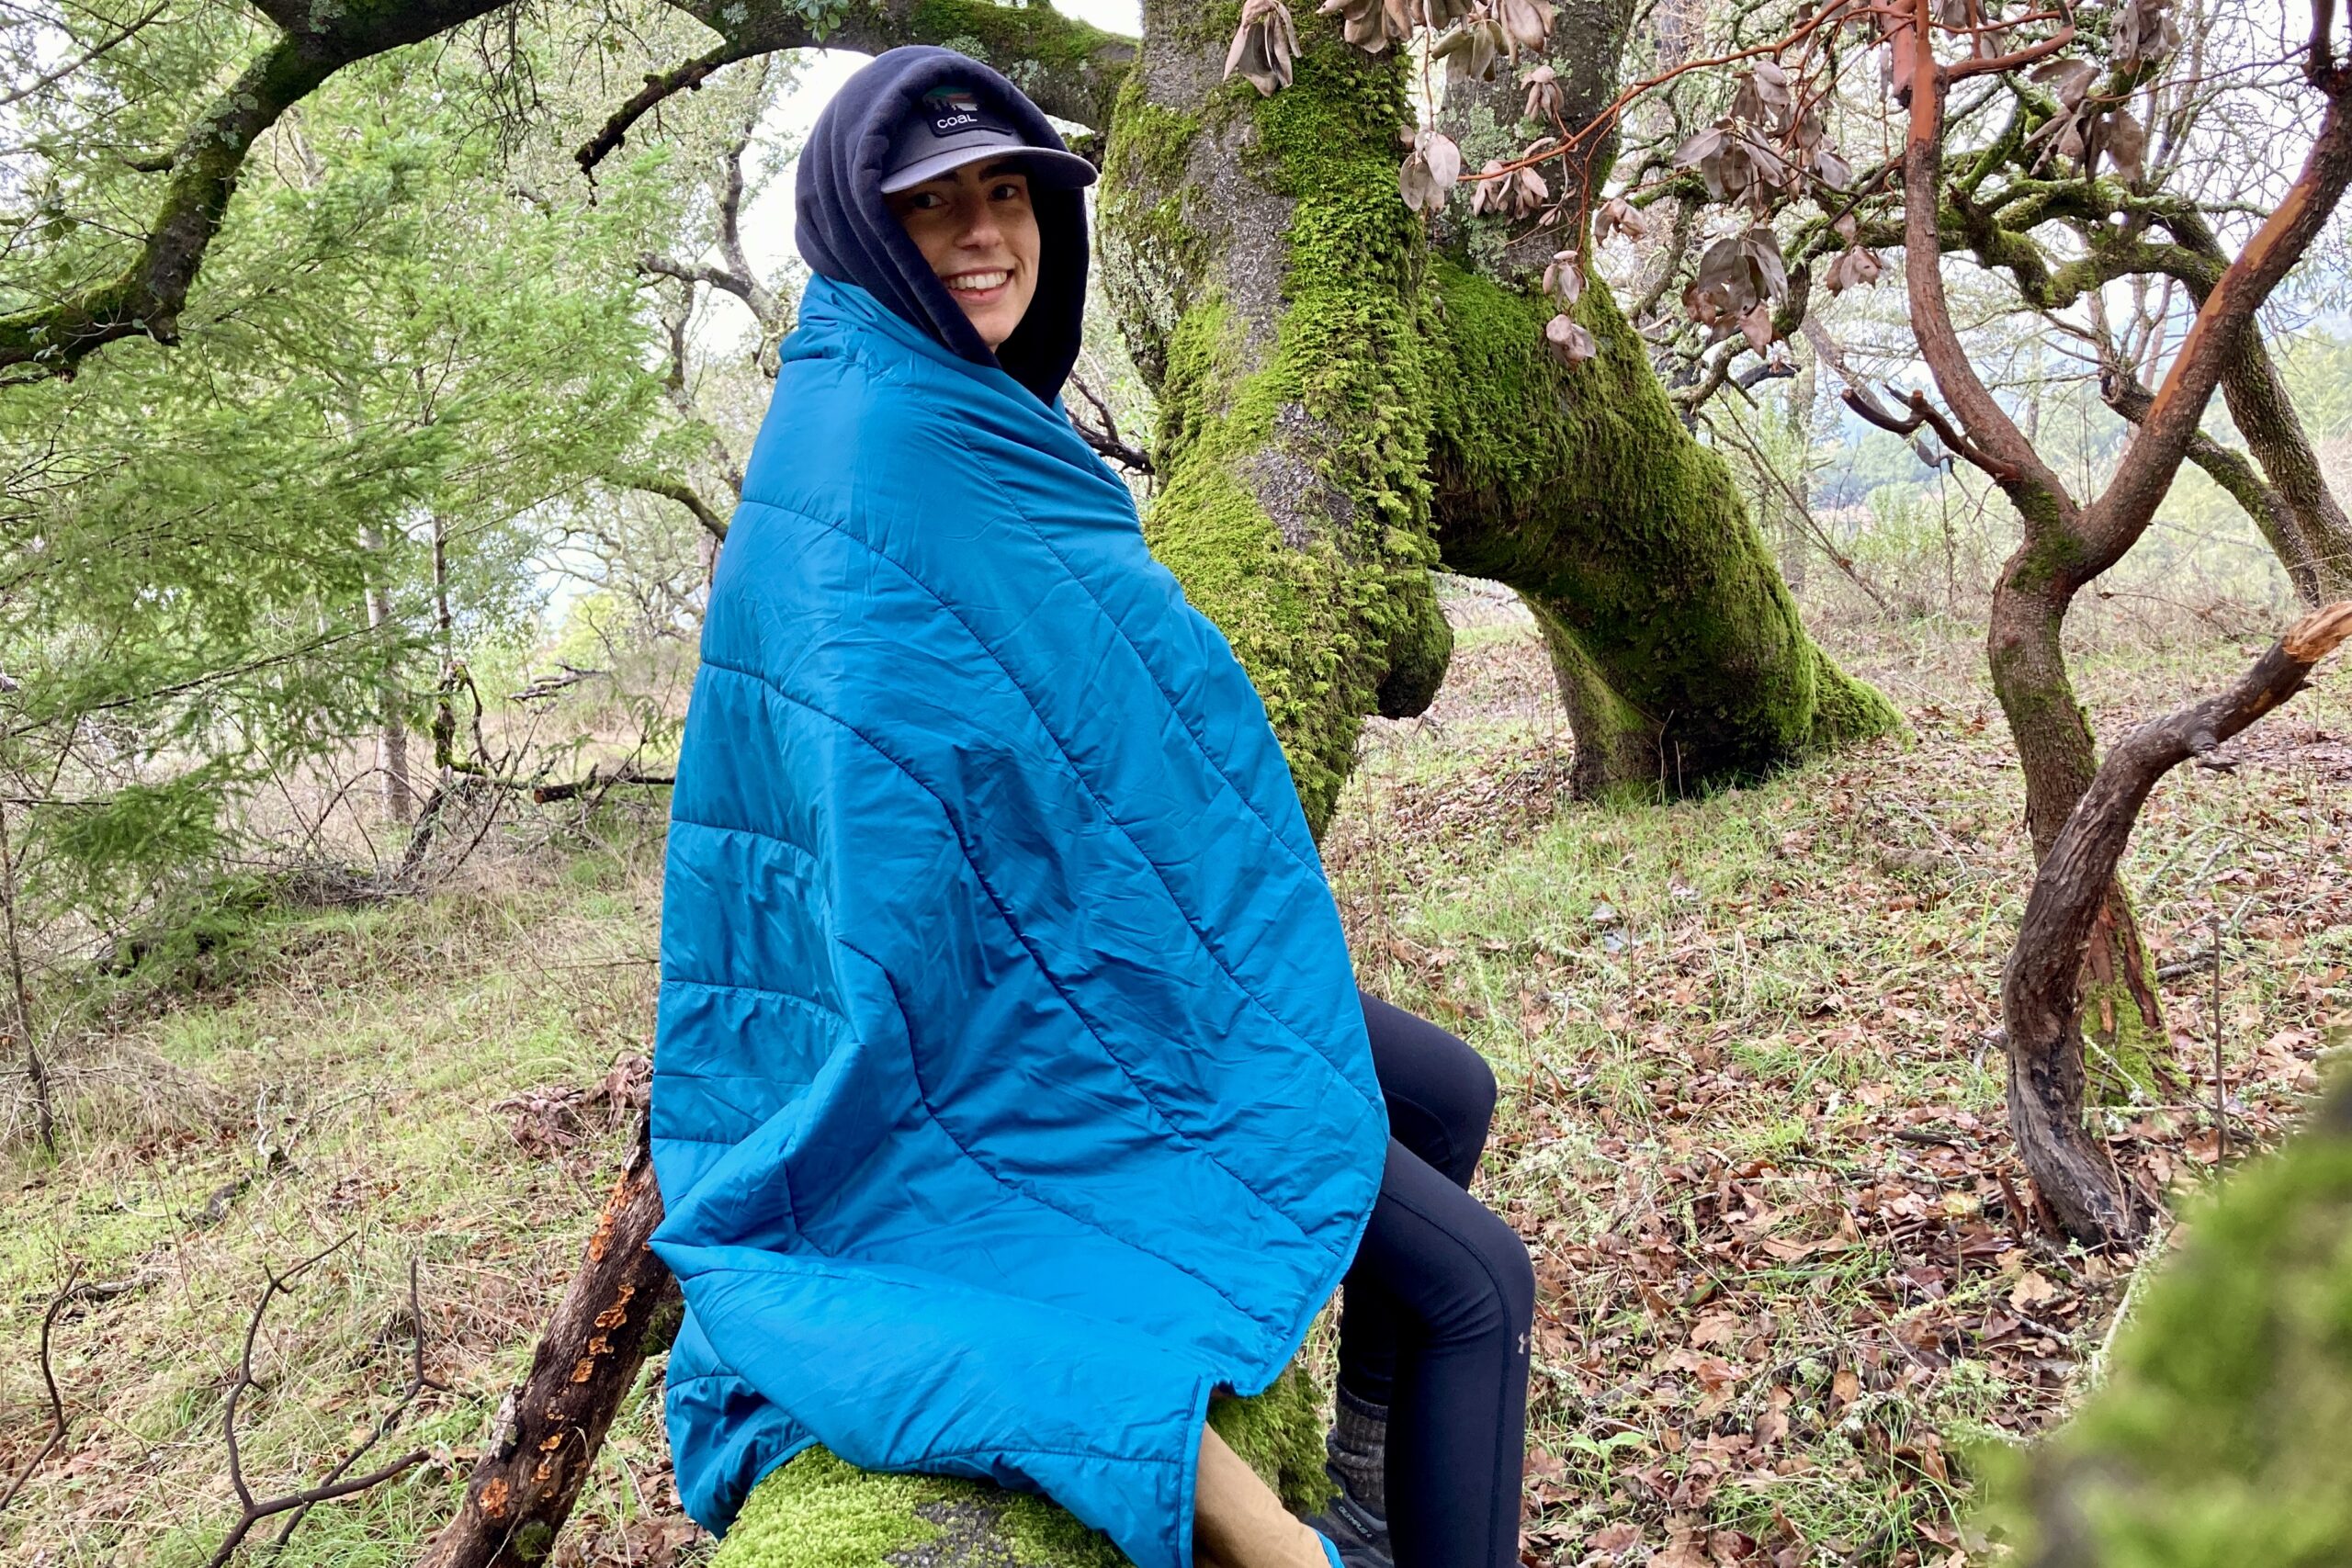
{"points": [[1717, 1007], [1710, 1019], [348, 1089]]}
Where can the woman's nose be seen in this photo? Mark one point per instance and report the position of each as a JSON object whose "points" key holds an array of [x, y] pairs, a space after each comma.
{"points": [[980, 227]]}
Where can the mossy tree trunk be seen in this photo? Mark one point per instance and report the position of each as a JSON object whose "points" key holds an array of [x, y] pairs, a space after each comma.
{"points": [[1271, 282], [1347, 399], [1681, 658], [2217, 1436], [2122, 1018]]}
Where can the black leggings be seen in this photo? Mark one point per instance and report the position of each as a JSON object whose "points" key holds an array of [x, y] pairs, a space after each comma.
{"points": [[1436, 1308]]}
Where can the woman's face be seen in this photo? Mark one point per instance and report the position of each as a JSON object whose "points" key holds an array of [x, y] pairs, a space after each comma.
{"points": [[975, 228]]}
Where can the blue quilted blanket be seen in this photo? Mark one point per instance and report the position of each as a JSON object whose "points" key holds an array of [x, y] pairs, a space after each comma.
{"points": [[1010, 1091]]}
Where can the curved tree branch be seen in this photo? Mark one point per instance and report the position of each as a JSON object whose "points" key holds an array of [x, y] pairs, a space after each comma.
{"points": [[146, 297], [2233, 473], [1071, 69], [2039, 1008]]}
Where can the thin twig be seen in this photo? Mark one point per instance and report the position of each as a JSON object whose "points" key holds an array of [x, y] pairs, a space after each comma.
{"points": [[338, 1483], [2221, 1094]]}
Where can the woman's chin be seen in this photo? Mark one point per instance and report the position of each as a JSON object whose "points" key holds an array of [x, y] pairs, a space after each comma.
{"points": [[994, 319]]}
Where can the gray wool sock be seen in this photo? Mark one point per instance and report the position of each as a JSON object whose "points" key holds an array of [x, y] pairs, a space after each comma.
{"points": [[1358, 1448]]}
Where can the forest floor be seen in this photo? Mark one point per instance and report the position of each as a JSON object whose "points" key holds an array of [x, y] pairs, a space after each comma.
{"points": [[1751, 1125]]}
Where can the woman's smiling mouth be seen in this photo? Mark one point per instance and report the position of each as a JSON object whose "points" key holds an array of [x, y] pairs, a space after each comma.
{"points": [[978, 287]]}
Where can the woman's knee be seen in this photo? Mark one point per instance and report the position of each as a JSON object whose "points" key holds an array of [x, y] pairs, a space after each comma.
{"points": [[1513, 1270], [1441, 1092], [1492, 1298]]}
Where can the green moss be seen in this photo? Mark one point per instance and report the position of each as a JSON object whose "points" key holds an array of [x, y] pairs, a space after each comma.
{"points": [[1038, 34], [819, 1512], [1295, 507], [1158, 256], [2219, 1438], [1580, 487], [1280, 1433]]}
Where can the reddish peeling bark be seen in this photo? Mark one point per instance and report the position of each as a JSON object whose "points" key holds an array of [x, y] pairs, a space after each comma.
{"points": [[2039, 1005], [2067, 545], [551, 1427]]}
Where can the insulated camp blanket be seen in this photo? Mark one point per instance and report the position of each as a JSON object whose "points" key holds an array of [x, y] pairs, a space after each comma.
{"points": [[1011, 1088]]}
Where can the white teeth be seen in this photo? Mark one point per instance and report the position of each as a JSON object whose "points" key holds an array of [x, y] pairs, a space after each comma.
{"points": [[974, 282]]}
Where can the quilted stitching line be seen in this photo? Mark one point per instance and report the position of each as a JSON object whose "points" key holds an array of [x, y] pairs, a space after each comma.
{"points": [[1182, 1137], [1022, 1189], [1199, 935], [808, 1003], [996, 901], [1202, 746]]}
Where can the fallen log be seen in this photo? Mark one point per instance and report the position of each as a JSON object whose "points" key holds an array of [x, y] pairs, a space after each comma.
{"points": [[544, 1441]]}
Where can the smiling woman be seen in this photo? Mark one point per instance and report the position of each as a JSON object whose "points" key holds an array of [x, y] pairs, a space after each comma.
{"points": [[1012, 1097], [977, 229]]}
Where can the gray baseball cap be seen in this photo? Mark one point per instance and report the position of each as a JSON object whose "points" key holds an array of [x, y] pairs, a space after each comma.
{"points": [[953, 126]]}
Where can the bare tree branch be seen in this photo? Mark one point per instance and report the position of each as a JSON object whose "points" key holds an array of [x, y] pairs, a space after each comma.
{"points": [[2234, 473], [70, 1292], [338, 1481], [2111, 524], [1105, 438], [684, 495]]}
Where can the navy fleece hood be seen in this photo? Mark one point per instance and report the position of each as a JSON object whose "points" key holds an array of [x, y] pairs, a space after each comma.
{"points": [[846, 230]]}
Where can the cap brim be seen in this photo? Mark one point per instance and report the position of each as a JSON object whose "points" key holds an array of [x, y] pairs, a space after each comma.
{"points": [[1044, 165]]}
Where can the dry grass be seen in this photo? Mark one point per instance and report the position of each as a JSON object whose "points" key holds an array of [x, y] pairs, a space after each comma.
{"points": [[1767, 1317]]}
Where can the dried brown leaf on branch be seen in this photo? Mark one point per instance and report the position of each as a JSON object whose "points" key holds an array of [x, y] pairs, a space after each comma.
{"points": [[1738, 276], [1429, 171], [2144, 32], [1736, 165], [1264, 45], [1544, 99], [1472, 49], [1853, 268], [1526, 22], [1372, 25], [2125, 142], [1618, 216], [1564, 277], [1571, 342], [1513, 194], [1762, 97]]}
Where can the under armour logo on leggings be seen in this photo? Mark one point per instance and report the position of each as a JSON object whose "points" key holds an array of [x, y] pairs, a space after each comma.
{"points": [[1522, 1342]]}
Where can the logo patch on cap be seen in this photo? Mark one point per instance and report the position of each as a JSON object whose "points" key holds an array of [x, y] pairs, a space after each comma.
{"points": [[956, 111]]}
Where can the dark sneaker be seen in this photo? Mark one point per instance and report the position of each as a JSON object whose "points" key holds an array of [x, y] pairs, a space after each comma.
{"points": [[1360, 1535]]}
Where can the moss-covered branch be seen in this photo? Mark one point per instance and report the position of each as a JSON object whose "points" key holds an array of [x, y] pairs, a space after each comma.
{"points": [[1682, 658], [1071, 69], [2217, 1437]]}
